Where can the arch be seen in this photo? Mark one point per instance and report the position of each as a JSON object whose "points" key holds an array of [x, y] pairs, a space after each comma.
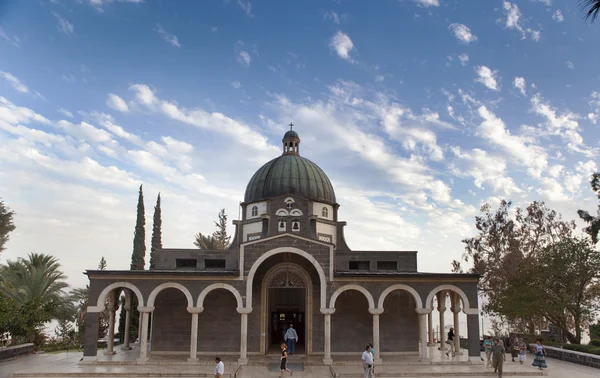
{"points": [[282, 213], [170, 285], [296, 212], [418, 300], [268, 278], [466, 306], [352, 287], [254, 211], [296, 251], [209, 288], [100, 304]]}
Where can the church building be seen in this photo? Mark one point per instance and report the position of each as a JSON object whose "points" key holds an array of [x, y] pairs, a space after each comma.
{"points": [[288, 263]]}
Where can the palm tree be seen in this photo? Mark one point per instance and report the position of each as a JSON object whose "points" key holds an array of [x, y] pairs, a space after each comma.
{"points": [[36, 286], [206, 242], [593, 8]]}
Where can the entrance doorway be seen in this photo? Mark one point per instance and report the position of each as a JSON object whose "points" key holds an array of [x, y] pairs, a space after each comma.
{"points": [[285, 303]]}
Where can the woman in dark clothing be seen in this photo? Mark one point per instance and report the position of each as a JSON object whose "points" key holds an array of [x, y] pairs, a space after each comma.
{"points": [[284, 355]]}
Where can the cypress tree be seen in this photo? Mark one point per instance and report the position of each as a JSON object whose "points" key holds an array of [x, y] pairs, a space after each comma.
{"points": [[139, 239], [156, 234]]}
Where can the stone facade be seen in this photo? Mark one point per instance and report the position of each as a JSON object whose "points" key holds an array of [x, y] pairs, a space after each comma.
{"points": [[227, 301]]}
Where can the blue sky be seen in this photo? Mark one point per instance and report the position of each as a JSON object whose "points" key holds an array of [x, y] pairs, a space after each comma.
{"points": [[418, 110]]}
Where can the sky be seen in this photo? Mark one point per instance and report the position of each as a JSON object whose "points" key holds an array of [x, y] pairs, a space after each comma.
{"points": [[419, 111]]}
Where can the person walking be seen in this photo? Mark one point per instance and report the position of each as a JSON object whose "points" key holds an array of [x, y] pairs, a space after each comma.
{"points": [[540, 360], [450, 341], [522, 351], [367, 361], [488, 344], [283, 364], [220, 368], [513, 346], [291, 338], [498, 357], [373, 353]]}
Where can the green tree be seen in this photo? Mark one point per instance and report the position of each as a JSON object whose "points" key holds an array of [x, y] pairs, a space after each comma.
{"points": [[219, 239], [6, 224], [156, 233], [102, 264], [592, 7], [139, 239], [36, 285], [79, 297], [9, 314], [507, 241], [594, 222], [561, 286]]}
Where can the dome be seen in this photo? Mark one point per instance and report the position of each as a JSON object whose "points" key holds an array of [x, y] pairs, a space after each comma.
{"points": [[291, 134], [290, 174]]}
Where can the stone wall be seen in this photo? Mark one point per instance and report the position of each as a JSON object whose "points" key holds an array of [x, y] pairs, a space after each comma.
{"points": [[399, 324], [171, 322], [219, 324], [573, 356], [15, 351], [351, 324]]}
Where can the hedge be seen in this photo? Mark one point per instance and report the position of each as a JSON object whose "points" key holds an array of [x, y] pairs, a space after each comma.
{"points": [[583, 348]]}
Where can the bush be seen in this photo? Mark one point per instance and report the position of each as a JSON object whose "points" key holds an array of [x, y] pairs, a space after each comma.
{"points": [[595, 342], [583, 348]]}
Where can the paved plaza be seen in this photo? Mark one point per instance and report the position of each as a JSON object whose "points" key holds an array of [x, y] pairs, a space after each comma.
{"points": [[64, 365]]}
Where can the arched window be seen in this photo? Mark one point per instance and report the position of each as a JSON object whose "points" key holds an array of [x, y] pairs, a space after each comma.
{"points": [[254, 211], [325, 212]]}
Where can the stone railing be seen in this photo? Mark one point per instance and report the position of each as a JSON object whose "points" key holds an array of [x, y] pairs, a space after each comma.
{"points": [[573, 356], [15, 351]]}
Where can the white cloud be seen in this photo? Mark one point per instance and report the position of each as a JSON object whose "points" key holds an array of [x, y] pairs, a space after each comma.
{"points": [[570, 65], [545, 2], [117, 103], [236, 84], [246, 6], [463, 33], [519, 83], [464, 59], [428, 3], [594, 102], [216, 122], [333, 16], [485, 169], [98, 4], [342, 44], [64, 25], [244, 58], [65, 112], [15, 41], [558, 16], [514, 20], [169, 38], [555, 170], [494, 130], [14, 82], [487, 77]]}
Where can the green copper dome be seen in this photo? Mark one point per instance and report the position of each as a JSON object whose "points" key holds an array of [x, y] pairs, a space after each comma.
{"points": [[290, 174]]}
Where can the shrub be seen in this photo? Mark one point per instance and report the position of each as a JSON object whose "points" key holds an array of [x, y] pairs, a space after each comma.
{"points": [[595, 342], [583, 348]]}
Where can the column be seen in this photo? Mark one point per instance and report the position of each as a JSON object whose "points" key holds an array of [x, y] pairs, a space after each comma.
{"points": [[442, 308], [473, 329], [376, 312], [430, 327], [194, 333], [139, 335], [110, 343], [244, 335], [424, 349], [455, 312], [127, 336], [327, 347], [144, 314], [90, 343]]}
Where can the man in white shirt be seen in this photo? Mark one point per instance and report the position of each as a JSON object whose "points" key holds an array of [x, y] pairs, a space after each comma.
{"points": [[220, 368], [367, 361], [291, 338]]}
